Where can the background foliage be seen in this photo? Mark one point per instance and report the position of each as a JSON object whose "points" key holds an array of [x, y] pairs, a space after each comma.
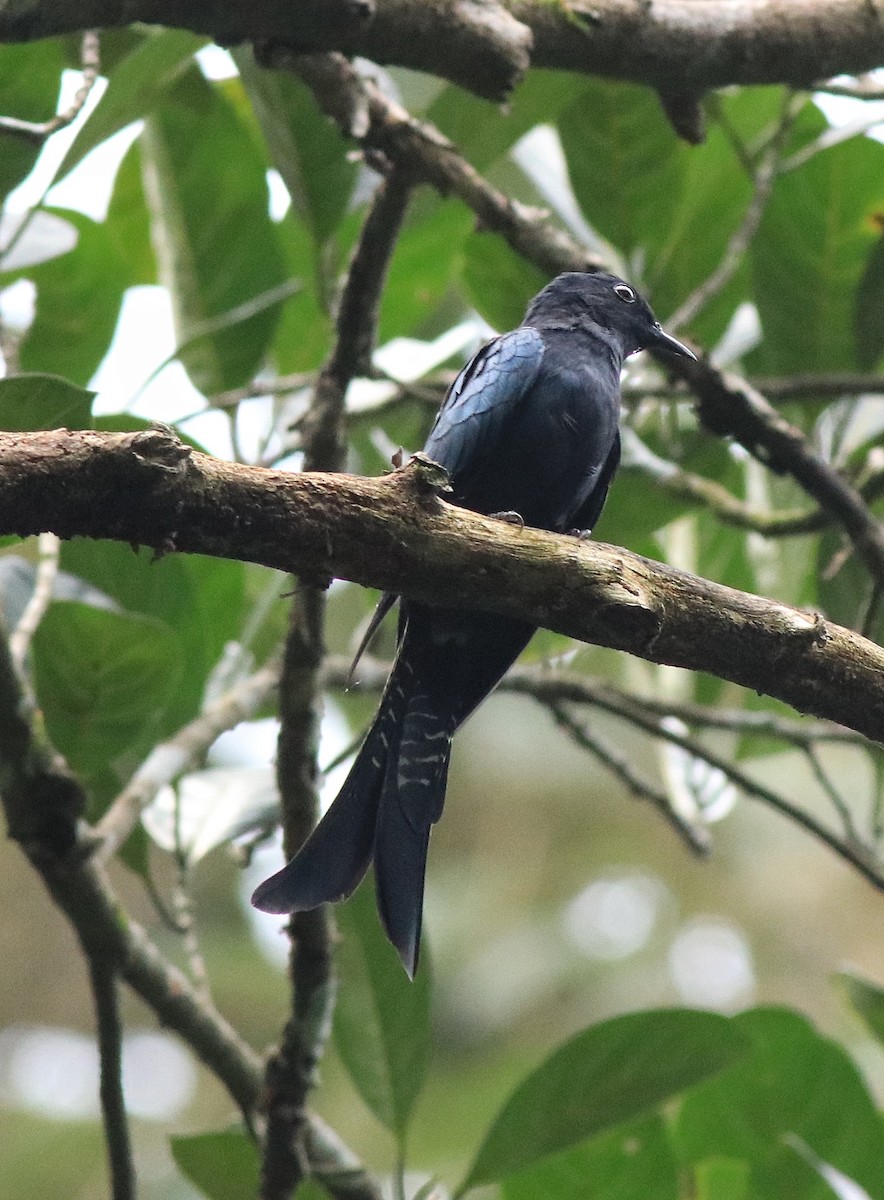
{"points": [[557, 1046]]}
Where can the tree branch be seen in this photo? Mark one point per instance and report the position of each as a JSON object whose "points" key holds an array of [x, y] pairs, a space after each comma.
{"points": [[680, 47], [110, 1053], [393, 533]]}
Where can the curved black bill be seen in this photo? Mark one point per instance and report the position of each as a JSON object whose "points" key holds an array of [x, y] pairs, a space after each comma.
{"points": [[661, 340]]}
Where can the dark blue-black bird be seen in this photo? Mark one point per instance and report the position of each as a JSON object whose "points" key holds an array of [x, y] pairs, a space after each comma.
{"points": [[529, 427]]}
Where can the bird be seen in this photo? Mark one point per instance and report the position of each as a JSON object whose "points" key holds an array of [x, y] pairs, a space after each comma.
{"points": [[528, 431]]}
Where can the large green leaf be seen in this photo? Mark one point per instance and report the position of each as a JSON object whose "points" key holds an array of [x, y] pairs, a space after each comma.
{"points": [[137, 82], [43, 402], [606, 1075], [128, 220], [78, 302], [626, 164], [217, 248], [224, 1165], [29, 81], [307, 150], [201, 599], [381, 1025], [795, 1084], [482, 131], [500, 282], [426, 259], [635, 1163], [810, 252], [103, 680]]}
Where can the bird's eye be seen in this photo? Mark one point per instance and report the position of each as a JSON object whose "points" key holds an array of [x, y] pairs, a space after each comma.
{"points": [[626, 294]]}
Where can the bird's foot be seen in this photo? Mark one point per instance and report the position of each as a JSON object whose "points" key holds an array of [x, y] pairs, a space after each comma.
{"points": [[510, 516], [582, 535]]}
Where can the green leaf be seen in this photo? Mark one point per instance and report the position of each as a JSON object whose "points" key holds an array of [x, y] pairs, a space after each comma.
{"points": [[217, 247], [867, 999], [29, 80], [606, 1075], [426, 259], [78, 302], [635, 1163], [793, 1084], [810, 252], [482, 131], [43, 402], [103, 679], [201, 599], [868, 314], [128, 220], [224, 1165], [499, 282], [381, 1028], [307, 150], [626, 164], [138, 81], [722, 1179]]}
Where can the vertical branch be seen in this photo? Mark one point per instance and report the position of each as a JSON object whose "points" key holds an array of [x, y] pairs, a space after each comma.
{"points": [[102, 974], [291, 1069]]}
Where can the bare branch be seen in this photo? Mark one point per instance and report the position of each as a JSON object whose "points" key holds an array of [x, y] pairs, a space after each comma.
{"points": [[48, 550], [113, 1104], [695, 837]]}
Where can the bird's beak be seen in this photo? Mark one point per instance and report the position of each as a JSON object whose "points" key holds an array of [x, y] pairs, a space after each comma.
{"points": [[661, 340]]}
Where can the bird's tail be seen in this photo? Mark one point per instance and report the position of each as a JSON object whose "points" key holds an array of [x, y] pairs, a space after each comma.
{"points": [[394, 793], [333, 860]]}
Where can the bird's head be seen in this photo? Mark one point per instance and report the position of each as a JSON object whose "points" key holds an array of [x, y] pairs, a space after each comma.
{"points": [[603, 305]]}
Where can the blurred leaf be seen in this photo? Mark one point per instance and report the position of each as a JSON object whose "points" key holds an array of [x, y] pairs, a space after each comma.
{"points": [[30, 75], [793, 1084], [606, 1075], [207, 808], [635, 1163], [43, 402], [381, 1027], [78, 302], [137, 82], [426, 258], [307, 150], [867, 999], [722, 1179], [43, 236], [217, 247], [103, 679], [303, 336], [483, 131], [869, 310], [500, 283], [846, 592], [128, 220], [811, 250], [223, 1165], [201, 599], [626, 164]]}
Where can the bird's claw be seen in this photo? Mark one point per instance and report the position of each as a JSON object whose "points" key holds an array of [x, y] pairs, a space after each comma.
{"points": [[582, 535], [510, 516]]}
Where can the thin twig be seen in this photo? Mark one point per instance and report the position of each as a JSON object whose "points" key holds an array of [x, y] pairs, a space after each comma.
{"points": [[838, 803], [695, 837], [48, 551], [113, 1105], [38, 132], [833, 136]]}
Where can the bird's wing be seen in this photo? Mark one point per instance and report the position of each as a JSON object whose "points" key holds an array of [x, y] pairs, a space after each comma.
{"points": [[492, 383], [587, 515]]}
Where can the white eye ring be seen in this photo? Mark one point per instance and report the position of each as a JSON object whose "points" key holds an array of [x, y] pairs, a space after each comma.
{"points": [[625, 293]]}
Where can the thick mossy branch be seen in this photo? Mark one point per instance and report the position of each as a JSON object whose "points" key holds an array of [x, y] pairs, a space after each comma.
{"points": [[394, 533]]}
